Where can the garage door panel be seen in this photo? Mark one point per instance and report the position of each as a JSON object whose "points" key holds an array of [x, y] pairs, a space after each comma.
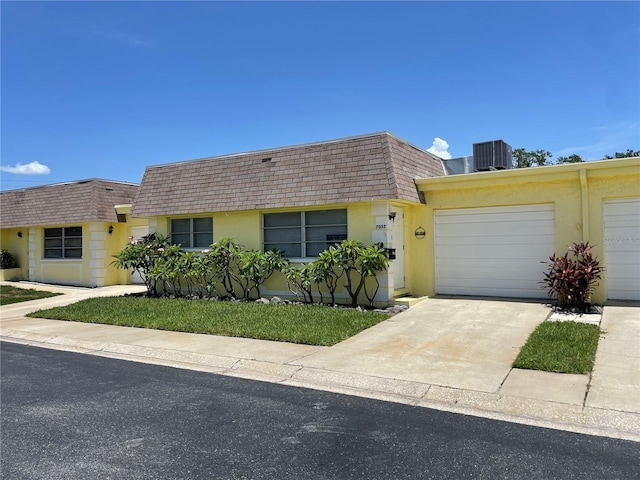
{"points": [[622, 248], [623, 289], [621, 223], [494, 251], [623, 281], [623, 269], [486, 212], [512, 252], [621, 252], [498, 214], [466, 268], [533, 246], [623, 208], [490, 288], [515, 230], [498, 221], [502, 223], [533, 239], [485, 267], [468, 283]]}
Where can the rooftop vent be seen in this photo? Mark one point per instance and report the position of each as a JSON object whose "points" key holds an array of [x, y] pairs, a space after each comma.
{"points": [[494, 155]]}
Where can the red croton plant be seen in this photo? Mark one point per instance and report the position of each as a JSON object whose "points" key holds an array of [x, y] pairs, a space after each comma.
{"points": [[572, 277]]}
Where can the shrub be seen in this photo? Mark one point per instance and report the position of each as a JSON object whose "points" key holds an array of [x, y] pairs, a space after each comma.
{"points": [[572, 277], [324, 270], [166, 269], [299, 280], [225, 269], [350, 260], [225, 256], [256, 267], [7, 260], [142, 256], [357, 262]]}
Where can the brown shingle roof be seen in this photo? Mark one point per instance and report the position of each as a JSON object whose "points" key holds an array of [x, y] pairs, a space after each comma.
{"points": [[369, 167], [63, 203]]}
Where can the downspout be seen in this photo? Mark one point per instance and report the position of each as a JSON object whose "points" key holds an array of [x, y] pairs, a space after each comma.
{"points": [[585, 204]]}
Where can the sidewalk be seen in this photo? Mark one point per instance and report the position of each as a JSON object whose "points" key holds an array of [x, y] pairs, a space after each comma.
{"points": [[447, 354]]}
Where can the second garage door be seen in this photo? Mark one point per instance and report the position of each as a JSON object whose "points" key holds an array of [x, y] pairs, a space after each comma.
{"points": [[622, 248], [495, 251]]}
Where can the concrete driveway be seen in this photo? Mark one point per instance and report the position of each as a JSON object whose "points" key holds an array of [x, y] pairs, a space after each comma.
{"points": [[459, 343], [615, 381]]}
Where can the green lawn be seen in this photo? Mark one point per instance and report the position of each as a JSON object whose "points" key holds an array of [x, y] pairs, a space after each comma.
{"points": [[565, 347], [308, 324], [10, 294]]}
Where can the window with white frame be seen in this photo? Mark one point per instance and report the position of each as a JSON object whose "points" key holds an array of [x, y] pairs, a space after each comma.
{"points": [[304, 234], [192, 232], [63, 242]]}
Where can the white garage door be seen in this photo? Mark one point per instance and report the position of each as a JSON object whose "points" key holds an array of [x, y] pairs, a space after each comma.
{"points": [[494, 251], [622, 248]]}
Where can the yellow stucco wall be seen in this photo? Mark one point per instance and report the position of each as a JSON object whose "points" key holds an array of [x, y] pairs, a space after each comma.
{"points": [[93, 269], [118, 240], [420, 252], [245, 227], [577, 191], [58, 271], [18, 246]]}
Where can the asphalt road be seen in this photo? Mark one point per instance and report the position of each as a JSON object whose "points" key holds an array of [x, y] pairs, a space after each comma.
{"points": [[73, 416]]}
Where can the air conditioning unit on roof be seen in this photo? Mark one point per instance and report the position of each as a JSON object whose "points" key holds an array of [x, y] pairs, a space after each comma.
{"points": [[494, 155]]}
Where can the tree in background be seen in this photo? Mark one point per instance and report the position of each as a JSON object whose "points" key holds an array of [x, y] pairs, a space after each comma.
{"points": [[570, 159], [627, 154], [523, 158]]}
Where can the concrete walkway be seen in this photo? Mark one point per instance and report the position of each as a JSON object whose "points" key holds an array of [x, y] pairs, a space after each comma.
{"points": [[449, 354]]}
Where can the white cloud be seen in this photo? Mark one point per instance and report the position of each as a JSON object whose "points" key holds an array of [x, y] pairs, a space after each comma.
{"points": [[440, 148], [33, 168]]}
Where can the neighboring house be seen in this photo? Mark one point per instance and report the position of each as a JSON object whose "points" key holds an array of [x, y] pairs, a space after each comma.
{"points": [[299, 199], [487, 232], [66, 233]]}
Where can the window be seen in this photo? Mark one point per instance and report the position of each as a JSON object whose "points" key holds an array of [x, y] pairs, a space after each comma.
{"points": [[304, 234], [63, 242], [192, 232]]}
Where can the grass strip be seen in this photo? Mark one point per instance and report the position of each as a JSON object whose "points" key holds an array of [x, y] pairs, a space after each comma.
{"points": [[564, 347], [306, 324], [10, 294]]}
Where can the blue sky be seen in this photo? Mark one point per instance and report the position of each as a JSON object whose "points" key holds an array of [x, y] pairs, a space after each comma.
{"points": [[103, 89]]}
